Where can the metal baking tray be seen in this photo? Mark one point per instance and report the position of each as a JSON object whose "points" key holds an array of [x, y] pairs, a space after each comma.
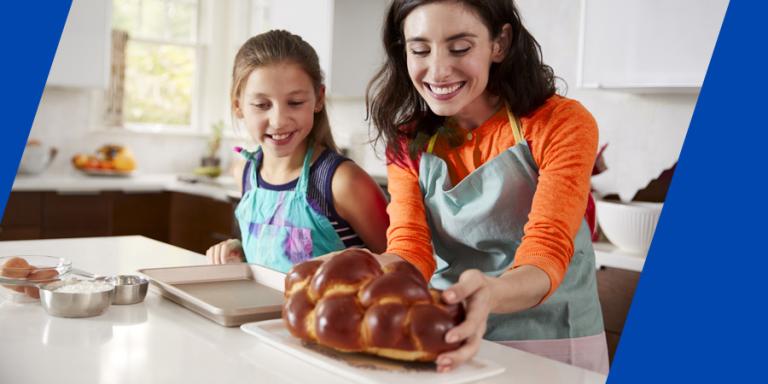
{"points": [[229, 294]]}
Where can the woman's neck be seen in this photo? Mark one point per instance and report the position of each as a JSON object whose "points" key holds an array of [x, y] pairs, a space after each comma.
{"points": [[478, 111], [280, 170]]}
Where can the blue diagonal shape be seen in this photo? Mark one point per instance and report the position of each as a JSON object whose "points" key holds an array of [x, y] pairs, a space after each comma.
{"points": [[29, 32], [699, 310]]}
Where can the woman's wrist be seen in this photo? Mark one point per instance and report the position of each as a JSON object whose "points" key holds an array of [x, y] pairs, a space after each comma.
{"points": [[518, 289], [386, 258]]}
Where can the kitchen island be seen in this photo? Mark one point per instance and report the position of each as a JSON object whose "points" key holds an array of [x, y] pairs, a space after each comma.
{"points": [[158, 341]]}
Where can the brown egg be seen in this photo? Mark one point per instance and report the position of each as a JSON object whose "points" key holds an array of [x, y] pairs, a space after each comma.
{"points": [[39, 276], [43, 275], [17, 288], [32, 292], [16, 268]]}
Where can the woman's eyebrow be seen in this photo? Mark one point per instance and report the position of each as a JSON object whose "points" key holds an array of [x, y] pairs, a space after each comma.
{"points": [[450, 38]]}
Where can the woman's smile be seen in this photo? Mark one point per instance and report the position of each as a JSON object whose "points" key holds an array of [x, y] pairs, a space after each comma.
{"points": [[444, 91]]}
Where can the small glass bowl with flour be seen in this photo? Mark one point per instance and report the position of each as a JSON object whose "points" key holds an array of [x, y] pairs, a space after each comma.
{"points": [[77, 298]]}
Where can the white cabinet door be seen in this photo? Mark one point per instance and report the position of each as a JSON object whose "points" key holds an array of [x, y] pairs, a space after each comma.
{"points": [[357, 49], [83, 57], [345, 33], [648, 44]]}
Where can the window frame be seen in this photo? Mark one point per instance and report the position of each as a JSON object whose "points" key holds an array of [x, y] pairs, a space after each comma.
{"points": [[222, 27]]}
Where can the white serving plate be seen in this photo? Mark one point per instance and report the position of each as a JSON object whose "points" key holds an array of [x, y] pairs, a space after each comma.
{"points": [[364, 368]]}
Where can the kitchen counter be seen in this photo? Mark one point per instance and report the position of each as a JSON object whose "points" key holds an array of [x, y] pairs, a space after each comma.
{"points": [[221, 188], [225, 189], [158, 341]]}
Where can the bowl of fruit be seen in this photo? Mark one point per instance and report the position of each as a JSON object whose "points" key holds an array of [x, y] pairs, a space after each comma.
{"points": [[108, 160]]}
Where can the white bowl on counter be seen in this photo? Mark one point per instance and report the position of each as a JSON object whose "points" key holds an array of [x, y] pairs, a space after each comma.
{"points": [[629, 226]]}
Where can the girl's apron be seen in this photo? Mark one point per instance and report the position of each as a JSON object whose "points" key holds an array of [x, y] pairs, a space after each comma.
{"points": [[479, 222], [280, 228]]}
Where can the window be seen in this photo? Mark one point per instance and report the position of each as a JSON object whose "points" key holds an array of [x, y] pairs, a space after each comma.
{"points": [[172, 62], [162, 62]]}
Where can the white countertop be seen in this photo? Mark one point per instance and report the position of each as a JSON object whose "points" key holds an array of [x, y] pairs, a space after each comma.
{"points": [[221, 188], [608, 255], [158, 341]]}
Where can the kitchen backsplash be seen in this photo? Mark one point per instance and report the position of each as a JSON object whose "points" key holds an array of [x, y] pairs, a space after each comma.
{"points": [[66, 119]]}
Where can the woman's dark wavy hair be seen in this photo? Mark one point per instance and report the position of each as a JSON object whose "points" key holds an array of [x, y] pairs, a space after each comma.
{"points": [[398, 112]]}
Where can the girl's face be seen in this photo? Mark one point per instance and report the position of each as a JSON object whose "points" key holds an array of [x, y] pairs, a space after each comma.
{"points": [[278, 103], [449, 52]]}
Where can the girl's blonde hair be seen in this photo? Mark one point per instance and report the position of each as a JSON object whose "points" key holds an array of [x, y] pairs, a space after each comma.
{"points": [[275, 47]]}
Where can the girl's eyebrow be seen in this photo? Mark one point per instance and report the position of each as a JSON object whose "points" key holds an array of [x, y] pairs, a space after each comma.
{"points": [[296, 92], [457, 36]]}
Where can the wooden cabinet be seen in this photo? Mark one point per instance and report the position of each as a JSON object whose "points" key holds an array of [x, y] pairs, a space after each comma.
{"points": [[77, 214], [144, 213], [188, 221], [200, 222], [23, 216], [616, 287]]}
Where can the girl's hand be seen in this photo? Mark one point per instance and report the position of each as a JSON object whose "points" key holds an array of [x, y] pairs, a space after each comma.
{"points": [[228, 251], [474, 287]]}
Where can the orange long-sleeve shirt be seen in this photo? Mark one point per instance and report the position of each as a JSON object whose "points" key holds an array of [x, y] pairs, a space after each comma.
{"points": [[563, 138]]}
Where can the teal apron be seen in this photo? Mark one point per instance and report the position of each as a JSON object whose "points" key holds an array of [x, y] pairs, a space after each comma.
{"points": [[478, 223], [280, 228]]}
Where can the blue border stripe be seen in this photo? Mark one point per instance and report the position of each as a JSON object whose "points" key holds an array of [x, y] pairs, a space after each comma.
{"points": [[699, 310], [29, 35]]}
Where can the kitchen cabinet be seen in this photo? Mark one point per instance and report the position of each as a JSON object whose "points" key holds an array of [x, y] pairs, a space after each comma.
{"points": [[83, 56], [345, 33], [622, 50], [23, 216], [184, 220], [142, 213], [197, 222], [76, 214], [615, 287]]}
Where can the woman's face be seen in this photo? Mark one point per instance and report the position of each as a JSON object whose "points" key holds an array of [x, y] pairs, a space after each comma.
{"points": [[449, 52], [277, 104]]}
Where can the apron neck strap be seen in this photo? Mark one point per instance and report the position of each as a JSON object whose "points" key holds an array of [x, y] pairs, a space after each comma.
{"points": [[516, 128], [517, 131], [301, 185]]}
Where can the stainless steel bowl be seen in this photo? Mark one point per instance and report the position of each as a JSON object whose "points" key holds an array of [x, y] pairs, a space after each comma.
{"points": [[74, 304], [129, 289]]}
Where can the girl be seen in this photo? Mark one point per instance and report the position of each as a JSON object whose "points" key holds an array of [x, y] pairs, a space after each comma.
{"points": [[300, 197], [489, 170]]}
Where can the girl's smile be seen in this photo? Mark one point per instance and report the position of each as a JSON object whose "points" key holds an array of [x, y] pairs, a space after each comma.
{"points": [[281, 138]]}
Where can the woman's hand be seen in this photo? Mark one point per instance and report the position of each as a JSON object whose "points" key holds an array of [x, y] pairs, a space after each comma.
{"points": [[515, 290], [474, 287], [228, 251]]}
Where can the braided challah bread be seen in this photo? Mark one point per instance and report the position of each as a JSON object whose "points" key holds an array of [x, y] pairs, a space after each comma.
{"points": [[350, 304]]}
